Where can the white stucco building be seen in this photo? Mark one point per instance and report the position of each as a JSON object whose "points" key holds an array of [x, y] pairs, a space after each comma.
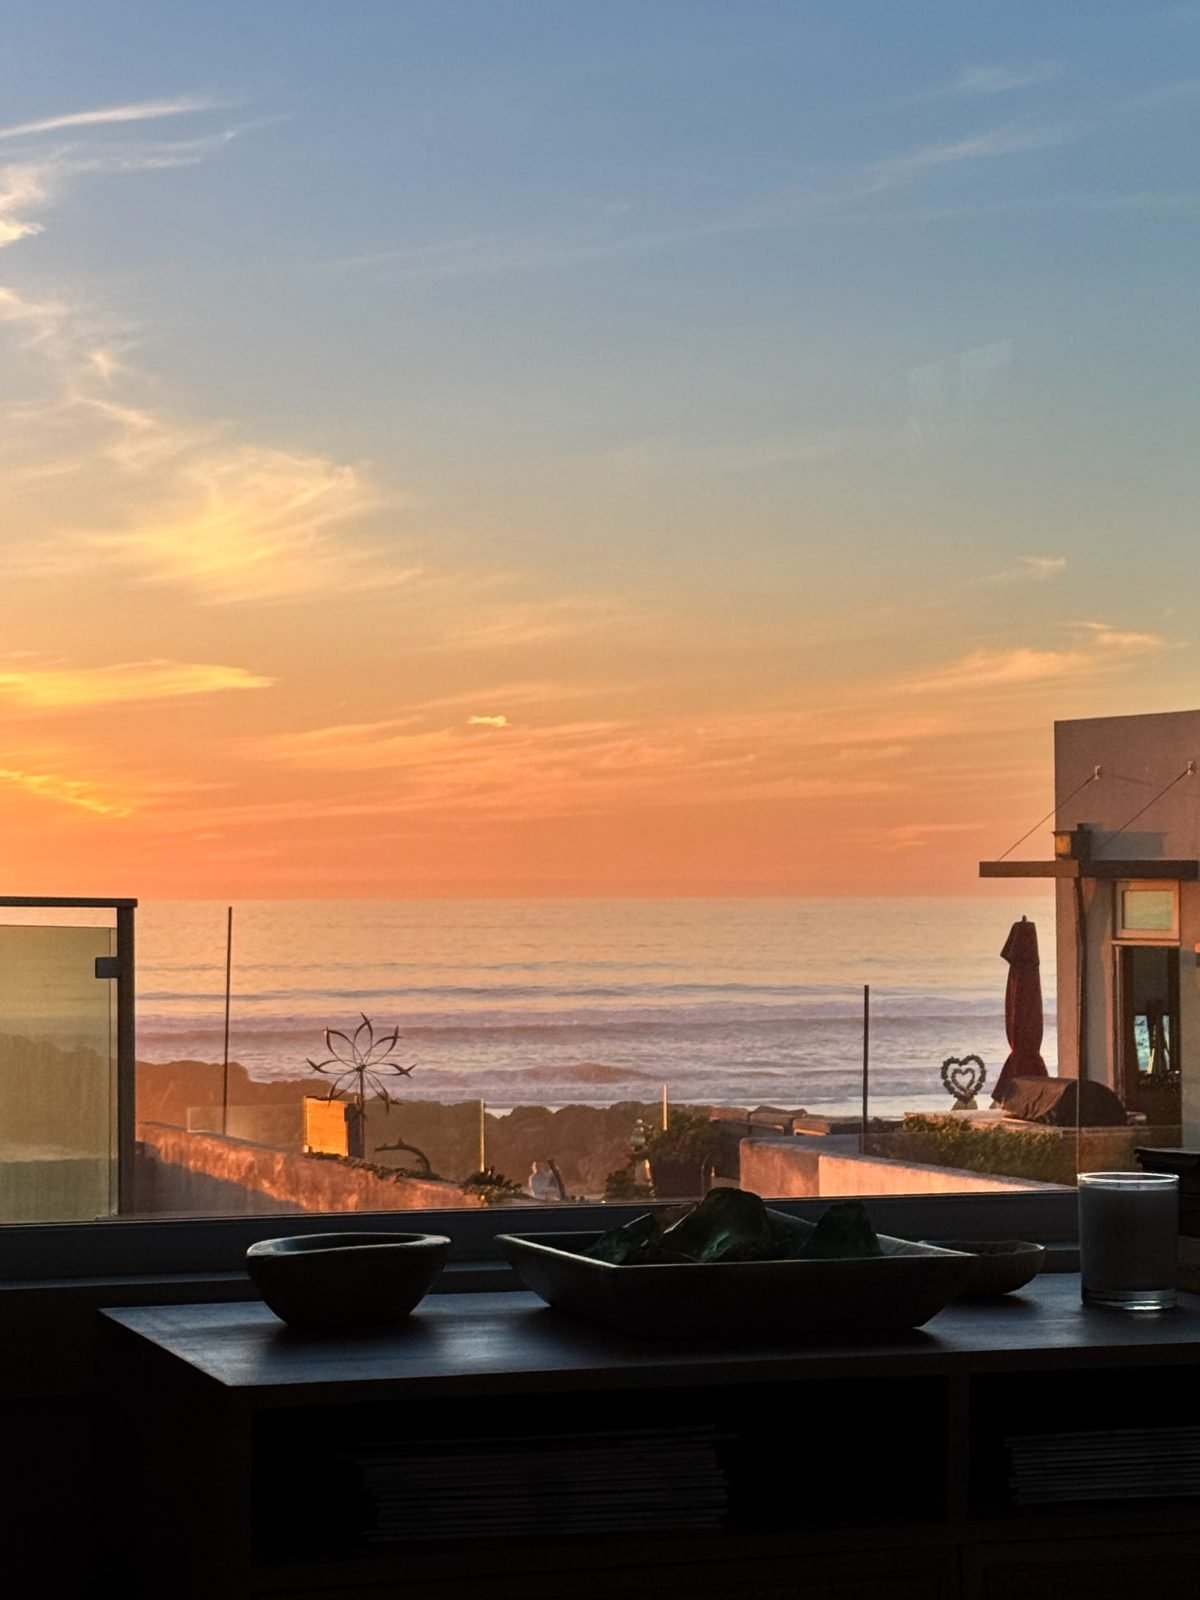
{"points": [[1126, 861]]}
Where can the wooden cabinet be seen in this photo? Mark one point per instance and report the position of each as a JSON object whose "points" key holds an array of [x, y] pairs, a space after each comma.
{"points": [[493, 1449]]}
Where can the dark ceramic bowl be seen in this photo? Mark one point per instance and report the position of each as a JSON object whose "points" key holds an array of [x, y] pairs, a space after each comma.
{"points": [[324, 1281], [1001, 1265]]}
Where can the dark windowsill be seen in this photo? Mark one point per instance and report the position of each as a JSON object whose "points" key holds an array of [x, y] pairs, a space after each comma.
{"points": [[169, 1247]]}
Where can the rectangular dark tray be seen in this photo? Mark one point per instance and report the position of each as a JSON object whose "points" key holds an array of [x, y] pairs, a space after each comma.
{"points": [[902, 1288]]}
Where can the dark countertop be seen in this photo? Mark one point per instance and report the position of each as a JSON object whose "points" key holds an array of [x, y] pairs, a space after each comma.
{"points": [[510, 1342]]}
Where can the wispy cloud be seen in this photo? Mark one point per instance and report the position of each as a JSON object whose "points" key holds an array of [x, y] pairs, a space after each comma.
{"points": [[159, 155], [1031, 569], [990, 144], [120, 683], [1183, 203], [237, 522], [501, 616], [180, 504], [986, 80], [619, 229], [616, 233], [37, 177], [106, 116], [1104, 636], [1099, 648], [487, 722], [33, 183], [78, 792], [571, 767], [642, 458], [918, 835], [189, 505], [183, 503]]}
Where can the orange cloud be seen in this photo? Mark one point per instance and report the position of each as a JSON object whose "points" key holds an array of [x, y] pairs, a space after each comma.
{"points": [[240, 522], [1035, 568], [68, 791], [122, 683], [1102, 648]]}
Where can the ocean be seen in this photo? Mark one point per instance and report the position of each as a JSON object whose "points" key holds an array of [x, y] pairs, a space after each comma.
{"points": [[736, 1001]]}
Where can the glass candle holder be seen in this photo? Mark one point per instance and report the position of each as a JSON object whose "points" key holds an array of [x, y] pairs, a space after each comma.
{"points": [[1128, 1239]]}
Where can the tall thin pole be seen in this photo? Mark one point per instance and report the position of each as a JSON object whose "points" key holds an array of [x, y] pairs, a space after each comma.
{"points": [[228, 988], [866, 1072], [483, 1136], [666, 1114]]}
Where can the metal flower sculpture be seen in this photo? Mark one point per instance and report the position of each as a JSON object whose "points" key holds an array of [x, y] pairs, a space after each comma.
{"points": [[361, 1061]]}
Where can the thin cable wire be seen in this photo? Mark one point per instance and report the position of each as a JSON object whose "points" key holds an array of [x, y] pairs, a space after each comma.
{"points": [[1187, 772], [1056, 808]]}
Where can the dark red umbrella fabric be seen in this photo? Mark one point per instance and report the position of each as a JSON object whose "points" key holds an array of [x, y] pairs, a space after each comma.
{"points": [[1022, 1008]]}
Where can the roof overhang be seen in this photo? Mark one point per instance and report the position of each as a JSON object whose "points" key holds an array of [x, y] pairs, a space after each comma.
{"points": [[1068, 867]]}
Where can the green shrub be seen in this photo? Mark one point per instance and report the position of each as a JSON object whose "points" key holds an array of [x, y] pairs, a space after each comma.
{"points": [[623, 1185], [691, 1136], [359, 1164], [1002, 1152], [495, 1187]]}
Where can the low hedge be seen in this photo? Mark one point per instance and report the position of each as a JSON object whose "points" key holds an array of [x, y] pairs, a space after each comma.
{"points": [[1002, 1152]]}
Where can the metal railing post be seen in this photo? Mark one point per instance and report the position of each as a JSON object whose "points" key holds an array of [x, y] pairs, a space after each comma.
{"points": [[126, 1061]]}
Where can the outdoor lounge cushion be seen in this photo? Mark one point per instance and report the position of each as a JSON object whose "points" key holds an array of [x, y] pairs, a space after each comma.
{"points": [[1052, 1101]]}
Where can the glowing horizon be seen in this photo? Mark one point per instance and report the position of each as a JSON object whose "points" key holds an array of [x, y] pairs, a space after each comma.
{"points": [[618, 453]]}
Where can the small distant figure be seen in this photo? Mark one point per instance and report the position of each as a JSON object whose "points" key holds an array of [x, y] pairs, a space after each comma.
{"points": [[541, 1183]]}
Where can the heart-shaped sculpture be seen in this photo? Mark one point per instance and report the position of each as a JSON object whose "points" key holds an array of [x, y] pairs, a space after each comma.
{"points": [[963, 1077]]}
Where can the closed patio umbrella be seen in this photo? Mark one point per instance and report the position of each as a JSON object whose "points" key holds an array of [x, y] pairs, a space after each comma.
{"points": [[1022, 1008]]}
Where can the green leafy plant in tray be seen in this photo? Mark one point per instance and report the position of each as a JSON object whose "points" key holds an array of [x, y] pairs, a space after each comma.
{"points": [[735, 1225]]}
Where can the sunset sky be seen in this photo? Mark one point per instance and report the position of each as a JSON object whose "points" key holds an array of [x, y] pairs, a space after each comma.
{"points": [[486, 446]]}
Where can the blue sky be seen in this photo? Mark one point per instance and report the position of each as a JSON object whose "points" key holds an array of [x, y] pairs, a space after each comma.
{"points": [[802, 360]]}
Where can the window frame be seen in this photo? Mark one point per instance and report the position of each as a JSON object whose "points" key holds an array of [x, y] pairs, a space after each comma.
{"points": [[123, 1249], [1126, 935]]}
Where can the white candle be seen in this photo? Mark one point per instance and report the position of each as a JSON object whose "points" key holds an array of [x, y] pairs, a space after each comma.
{"points": [[1128, 1239]]}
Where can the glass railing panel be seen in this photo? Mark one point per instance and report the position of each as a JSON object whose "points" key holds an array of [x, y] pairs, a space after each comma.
{"points": [[620, 1051], [58, 1077]]}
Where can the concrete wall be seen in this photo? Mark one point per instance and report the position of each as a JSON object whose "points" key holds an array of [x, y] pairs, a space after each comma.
{"points": [[179, 1187], [280, 1126], [1139, 755], [776, 1168], [187, 1172]]}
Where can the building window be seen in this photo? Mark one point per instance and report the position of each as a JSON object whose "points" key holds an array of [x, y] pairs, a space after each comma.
{"points": [[1148, 1031], [1148, 911]]}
